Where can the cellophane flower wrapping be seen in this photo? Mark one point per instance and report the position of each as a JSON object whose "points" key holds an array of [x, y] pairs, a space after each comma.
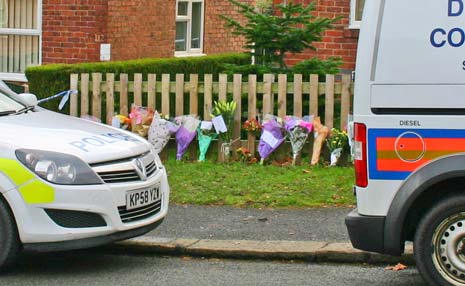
{"points": [[334, 157], [321, 132], [337, 143], [160, 132], [272, 137], [205, 135], [186, 133], [223, 113], [121, 121], [297, 130], [141, 119]]}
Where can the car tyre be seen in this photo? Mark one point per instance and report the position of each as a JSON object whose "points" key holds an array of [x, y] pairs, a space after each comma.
{"points": [[9, 240], [439, 244]]}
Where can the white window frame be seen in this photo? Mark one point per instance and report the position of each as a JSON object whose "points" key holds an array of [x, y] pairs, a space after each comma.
{"points": [[354, 24], [190, 51], [21, 77]]}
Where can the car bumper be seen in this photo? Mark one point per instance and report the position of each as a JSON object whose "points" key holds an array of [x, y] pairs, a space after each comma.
{"points": [[97, 214], [91, 241], [366, 232]]}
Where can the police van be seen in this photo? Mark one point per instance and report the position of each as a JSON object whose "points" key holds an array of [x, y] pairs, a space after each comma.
{"points": [[409, 124], [68, 183]]}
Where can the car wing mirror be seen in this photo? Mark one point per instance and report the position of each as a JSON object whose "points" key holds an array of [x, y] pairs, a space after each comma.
{"points": [[28, 98]]}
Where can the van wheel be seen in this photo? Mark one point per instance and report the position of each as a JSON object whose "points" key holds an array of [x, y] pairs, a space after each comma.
{"points": [[439, 243], [9, 241]]}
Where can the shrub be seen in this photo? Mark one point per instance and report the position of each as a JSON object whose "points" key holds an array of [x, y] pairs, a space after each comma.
{"points": [[273, 31], [50, 79]]}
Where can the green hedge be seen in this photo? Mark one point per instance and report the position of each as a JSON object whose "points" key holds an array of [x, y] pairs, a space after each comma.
{"points": [[50, 79]]}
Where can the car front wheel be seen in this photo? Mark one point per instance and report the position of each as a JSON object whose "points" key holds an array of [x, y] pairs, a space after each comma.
{"points": [[9, 241]]}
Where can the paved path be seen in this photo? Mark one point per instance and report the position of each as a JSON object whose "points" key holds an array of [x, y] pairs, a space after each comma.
{"points": [[317, 235], [226, 223]]}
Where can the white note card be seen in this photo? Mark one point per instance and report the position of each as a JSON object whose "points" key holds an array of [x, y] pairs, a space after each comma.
{"points": [[219, 124], [206, 125], [269, 139]]}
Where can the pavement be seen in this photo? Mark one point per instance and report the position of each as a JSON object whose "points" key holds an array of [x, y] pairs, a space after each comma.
{"points": [[313, 235]]}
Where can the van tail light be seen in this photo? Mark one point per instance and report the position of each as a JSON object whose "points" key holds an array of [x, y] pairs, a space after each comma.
{"points": [[360, 155]]}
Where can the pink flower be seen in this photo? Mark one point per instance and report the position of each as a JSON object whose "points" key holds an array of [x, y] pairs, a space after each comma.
{"points": [[136, 115], [307, 125]]}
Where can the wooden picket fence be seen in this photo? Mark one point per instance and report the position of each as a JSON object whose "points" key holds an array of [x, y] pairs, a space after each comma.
{"points": [[99, 97]]}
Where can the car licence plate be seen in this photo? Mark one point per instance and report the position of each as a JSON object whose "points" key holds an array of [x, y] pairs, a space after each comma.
{"points": [[139, 198]]}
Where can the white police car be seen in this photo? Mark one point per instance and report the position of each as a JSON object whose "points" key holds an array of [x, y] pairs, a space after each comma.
{"points": [[68, 183]]}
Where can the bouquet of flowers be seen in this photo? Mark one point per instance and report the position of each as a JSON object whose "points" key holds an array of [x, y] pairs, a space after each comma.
{"points": [[252, 126], [121, 121], [321, 132], [337, 143], [244, 155], [186, 133], [271, 138], [223, 119], [205, 135], [160, 132], [297, 131], [141, 118]]}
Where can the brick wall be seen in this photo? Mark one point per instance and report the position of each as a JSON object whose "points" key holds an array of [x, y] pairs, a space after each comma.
{"points": [[218, 39], [337, 42], [70, 28], [74, 29], [141, 28]]}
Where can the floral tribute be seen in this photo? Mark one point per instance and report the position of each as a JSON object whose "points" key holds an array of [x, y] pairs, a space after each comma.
{"points": [[161, 131], [252, 125], [223, 119], [141, 118], [186, 133], [297, 131], [244, 155], [272, 136], [337, 143], [205, 135]]}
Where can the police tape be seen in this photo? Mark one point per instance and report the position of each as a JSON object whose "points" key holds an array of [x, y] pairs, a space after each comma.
{"points": [[65, 94]]}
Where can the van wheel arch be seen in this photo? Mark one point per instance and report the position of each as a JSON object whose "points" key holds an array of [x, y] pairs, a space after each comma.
{"points": [[427, 200], [442, 177]]}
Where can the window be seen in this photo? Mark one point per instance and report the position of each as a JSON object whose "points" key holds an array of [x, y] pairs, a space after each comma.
{"points": [[356, 11], [8, 104], [20, 37], [189, 27]]}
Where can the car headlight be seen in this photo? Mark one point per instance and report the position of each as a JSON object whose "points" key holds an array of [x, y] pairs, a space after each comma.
{"points": [[58, 168]]}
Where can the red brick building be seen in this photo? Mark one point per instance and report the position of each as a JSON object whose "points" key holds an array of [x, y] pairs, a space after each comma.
{"points": [[34, 32], [341, 41]]}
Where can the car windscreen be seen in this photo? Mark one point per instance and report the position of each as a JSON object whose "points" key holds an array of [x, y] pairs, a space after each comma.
{"points": [[8, 104]]}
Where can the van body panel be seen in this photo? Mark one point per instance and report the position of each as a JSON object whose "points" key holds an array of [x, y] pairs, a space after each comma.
{"points": [[400, 145], [417, 96], [371, 201], [367, 54], [420, 42]]}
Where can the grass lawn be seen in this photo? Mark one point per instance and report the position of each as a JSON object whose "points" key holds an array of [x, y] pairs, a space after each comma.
{"points": [[241, 185]]}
